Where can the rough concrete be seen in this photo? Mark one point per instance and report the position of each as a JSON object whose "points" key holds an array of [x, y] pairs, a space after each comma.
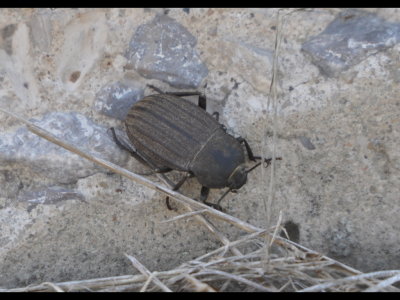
{"points": [[337, 185]]}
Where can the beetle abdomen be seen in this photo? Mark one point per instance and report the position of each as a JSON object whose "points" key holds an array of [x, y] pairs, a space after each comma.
{"points": [[168, 130]]}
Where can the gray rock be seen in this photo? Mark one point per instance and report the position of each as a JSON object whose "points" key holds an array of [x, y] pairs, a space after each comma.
{"points": [[340, 239], [114, 100], [7, 33], [350, 38], [54, 162], [305, 141], [10, 184], [49, 195], [165, 50]]}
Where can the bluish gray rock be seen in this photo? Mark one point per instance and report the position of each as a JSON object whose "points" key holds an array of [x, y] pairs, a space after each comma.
{"points": [[6, 34], [54, 162], [10, 184], [49, 195], [305, 141], [340, 238], [350, 38], [165, 50], [115, 100]]}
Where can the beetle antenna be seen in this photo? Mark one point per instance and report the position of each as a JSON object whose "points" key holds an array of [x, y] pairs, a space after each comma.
{"points": [[267, 162], [253, 167], [155, 88]]}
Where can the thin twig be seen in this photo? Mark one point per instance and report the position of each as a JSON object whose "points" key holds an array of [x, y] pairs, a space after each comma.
{"points": [[277, 227], [183, 216], [319, 287], [384, 283], [142, 269], [198, 285], [53, 286], [237, 278]]}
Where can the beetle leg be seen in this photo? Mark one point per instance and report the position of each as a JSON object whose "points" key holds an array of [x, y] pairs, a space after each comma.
{"points": [[204, 195], [167, 202], [223, 196], [182, 181], [162, 170], [252, 157], [174, 93], [182, 94], [248, 149], [155, 88], [176, 187], [215, 114], [267, 162], [202, 99]]}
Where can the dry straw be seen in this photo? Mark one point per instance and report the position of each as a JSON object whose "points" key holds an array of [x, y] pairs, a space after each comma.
{"points": [[240, 265]]}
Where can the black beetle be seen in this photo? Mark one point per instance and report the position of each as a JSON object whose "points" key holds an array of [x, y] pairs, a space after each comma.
{"points": [[171, 133]]}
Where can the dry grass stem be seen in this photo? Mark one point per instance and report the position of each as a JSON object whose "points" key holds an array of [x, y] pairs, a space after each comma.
{"points": [[54, 287], [297, 270], [150, 276], [199, 286], [183, 216]]}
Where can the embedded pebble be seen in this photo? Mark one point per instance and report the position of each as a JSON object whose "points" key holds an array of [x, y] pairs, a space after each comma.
{"points": [[165, 50], [53, 161], [114, 100], [350, 38]]}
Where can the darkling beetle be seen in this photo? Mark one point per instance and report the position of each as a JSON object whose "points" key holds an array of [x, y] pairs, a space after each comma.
{"points": [[171, 133]]}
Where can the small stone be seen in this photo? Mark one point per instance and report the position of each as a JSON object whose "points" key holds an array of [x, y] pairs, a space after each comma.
{"points": [[10, 184], [305, 141], [119, 63], [115, 100], [340, 239], [350, 38], [74, 76], [49, 195], [7, 33], [165, 50], [293, 231], [53, 161]]}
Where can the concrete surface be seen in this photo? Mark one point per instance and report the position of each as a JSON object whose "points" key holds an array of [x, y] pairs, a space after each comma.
{"points": [[338, 133]]}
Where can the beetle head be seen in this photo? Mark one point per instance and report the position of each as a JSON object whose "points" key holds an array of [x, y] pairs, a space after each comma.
{"points": [[238, 177]]}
